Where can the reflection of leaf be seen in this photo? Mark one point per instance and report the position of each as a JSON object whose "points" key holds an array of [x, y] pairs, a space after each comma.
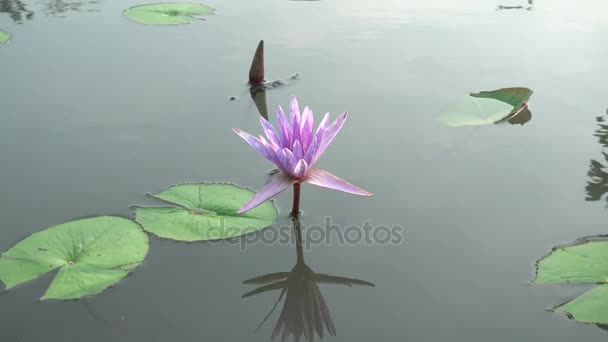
{"points": [[597, 186], [259, 98], [16, 10], [514, 7], [62, 7], [91, 255], [4, 37], [167, 13], [603, 326], [520, 118], [585, 261], [488, 107], [205, 212], [602, 131]]}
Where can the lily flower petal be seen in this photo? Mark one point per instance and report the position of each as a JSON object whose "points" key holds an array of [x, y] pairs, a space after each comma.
{"points": [[311, 151], [288, 161], [295, 120], [322, 127], [330, 134], [325, 179], [256, 144], [300, 169], [276, 183], [306, 127], [298, 151], [284, 128], [272, 135], [272, 152]]}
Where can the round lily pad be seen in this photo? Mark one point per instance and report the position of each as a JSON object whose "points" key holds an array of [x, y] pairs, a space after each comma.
{"points": [[91, 254], [204, 212], [4, 37], [169, 13]]}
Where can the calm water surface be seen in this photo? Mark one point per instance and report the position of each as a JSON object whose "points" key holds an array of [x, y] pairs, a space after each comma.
{"points": [[97, 111]]}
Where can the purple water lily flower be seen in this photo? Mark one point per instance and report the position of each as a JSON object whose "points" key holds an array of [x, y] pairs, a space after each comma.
{"points": [[294, 148]]}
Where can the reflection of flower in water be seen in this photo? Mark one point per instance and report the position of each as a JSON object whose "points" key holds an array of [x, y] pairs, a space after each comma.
{"points": [[305, 312], [597, 185]]}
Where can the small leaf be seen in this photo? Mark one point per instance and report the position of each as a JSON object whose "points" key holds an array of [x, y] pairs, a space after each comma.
{"points": [[516, 96], [4, 37], [91, 255], [205, 212], [487, 107], [170, 13]]}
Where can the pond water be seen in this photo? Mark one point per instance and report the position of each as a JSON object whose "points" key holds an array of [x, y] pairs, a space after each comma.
{"points": [[98, 111]]}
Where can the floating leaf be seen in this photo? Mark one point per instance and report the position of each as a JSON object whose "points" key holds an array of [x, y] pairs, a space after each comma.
{"points": [[205, 212], [91, 254], [488, 107], [590, 307], [170, 13], [586, 261], [516, 96], [4, 37]]}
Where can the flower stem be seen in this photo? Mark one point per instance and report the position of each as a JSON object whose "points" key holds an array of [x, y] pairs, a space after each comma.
{"points": [[295, 210]]}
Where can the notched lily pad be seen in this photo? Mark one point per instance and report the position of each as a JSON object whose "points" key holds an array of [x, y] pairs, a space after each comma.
{"points": [[5, 37], [91, 254], [204, 212], [487, 107], [169, 13], [585, 261]]}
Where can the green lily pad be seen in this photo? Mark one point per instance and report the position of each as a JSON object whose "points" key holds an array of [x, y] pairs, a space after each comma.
{"points": [[204, 212], [585, 261], [590, 307], [91, 254], [4, 37], [487, 107], [169, 13]]}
